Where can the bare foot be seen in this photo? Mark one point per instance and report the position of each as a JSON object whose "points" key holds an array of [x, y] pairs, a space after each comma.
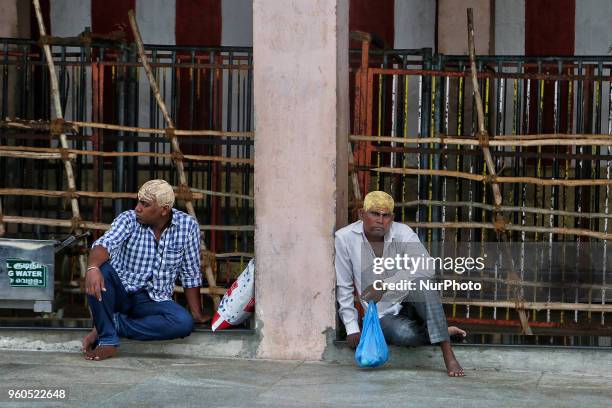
{"points": [[453, 368], [455, 331], [101, 353], [89, 340]]}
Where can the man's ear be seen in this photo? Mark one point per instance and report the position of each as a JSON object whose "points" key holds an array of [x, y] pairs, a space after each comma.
{"points": [[361, 212], [165, 210]]}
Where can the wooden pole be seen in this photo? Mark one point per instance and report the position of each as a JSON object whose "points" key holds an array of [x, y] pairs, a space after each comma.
{"points": [[494, 179], [531, 305], [196, 195], [507, 208], [483, 138], [47, 153], [170, 128], [511, 227], [599, 140], [162, 107], [74, 126], [52, 222], [55, 96]]}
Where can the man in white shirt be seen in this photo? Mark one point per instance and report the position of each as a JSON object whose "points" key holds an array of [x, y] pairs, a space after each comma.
{"points": [[417, 321]]}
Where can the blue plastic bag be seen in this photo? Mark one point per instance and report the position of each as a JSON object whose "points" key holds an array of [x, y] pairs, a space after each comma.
{"points": [[372, 350]]}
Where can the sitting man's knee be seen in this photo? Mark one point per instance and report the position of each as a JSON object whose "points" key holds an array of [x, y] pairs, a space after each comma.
{"points": [[406, 336], [183, 324]]}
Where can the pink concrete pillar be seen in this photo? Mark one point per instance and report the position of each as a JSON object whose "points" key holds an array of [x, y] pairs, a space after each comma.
{"points": [[301, 120], [452, 26]]}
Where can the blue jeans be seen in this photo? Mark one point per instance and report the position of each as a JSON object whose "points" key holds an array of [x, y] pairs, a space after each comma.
{"points": [[135, 315]]}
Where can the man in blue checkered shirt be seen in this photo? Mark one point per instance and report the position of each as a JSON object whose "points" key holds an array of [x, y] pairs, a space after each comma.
{"points": [[132, 270]]}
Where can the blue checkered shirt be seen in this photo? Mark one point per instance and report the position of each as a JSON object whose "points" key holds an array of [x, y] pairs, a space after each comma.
{"points": [[143, 262]]}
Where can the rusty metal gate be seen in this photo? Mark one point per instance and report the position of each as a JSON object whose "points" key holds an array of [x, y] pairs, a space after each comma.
{"points": [[415, 134], [117, 141]]}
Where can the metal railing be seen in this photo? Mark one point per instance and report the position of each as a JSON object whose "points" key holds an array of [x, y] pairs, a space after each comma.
{"points": [[415, 135]]}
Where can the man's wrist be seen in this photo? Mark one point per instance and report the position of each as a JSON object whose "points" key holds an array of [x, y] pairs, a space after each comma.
{"points": [[92, 267]]}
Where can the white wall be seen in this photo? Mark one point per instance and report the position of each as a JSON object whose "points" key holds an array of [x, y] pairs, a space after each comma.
{"points": [[593, 27], [69, 17], [415, 24], [509, 27], [237, 23]]}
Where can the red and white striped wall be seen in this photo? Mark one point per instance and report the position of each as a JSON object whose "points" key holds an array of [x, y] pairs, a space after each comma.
{"points": [[531, 27], [553, 27], [168, 22], [399, 23]]}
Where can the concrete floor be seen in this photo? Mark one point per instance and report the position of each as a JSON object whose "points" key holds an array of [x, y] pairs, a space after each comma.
{"points": [[148, 381]]}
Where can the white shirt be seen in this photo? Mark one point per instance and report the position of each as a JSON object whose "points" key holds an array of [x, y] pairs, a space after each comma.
{"points": [[349, 245]]}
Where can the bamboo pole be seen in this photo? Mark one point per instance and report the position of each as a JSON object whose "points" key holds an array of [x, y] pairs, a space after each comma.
{"points": [[32, 155], [173, 140], [600, 140], [495, 179], [544, 136], [483, 138], [177, 132], [507, 208], [65, 194], [230, 195], [75, 125], [249, 228], [32, 192], [531, 305], [52, 222], [197, 194], [45, 152], [162, 107], [74, 204], [561, 285], [512, 227]]}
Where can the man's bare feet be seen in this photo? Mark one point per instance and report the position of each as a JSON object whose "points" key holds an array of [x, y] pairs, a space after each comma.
{"points": [[101, 353], [455, 331], [453, 369], [89, 341]]}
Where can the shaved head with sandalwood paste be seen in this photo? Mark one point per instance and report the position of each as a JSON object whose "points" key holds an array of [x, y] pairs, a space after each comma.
{"points": [[157, 191], [378, 200]]}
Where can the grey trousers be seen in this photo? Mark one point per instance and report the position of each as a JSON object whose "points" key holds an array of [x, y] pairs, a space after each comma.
{"points": [[421, 321]]}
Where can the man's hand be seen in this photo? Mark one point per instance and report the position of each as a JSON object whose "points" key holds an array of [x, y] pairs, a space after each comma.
{"points": [[94, 283], [199, 318], [195, 306], [353, 339], [372, 294]]}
